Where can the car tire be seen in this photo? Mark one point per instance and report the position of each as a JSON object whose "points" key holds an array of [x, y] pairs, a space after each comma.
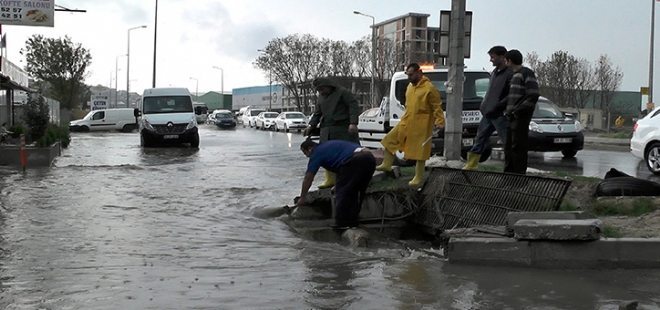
{"points": [[195, 141], [652, 158], [569, 153], [128, 128], [276, 128], [286, 128], [84, 129], [627, 186], [144, 141]]}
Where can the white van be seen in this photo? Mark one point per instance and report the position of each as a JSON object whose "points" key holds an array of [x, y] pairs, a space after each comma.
{"points": [[106, 119], [201, 112], [250, 116], [166, 115]]}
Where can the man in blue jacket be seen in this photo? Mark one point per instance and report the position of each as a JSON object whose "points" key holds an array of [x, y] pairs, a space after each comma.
{"points": [[354, 167]]}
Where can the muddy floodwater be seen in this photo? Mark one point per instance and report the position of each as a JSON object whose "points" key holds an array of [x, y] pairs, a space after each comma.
{"points": [[115, 226]]}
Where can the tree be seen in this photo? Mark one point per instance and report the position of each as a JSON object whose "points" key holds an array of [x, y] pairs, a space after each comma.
{"points": [[62, 64], [36, 116], [608, 80]]}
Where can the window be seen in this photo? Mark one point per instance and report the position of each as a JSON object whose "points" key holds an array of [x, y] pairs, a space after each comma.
{"points": [[547, 109], [474, 87], [167, 104], [295, 115], [98, 115]]}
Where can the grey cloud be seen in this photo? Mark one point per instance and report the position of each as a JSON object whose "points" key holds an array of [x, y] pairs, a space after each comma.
{"points": [[228, 38]]}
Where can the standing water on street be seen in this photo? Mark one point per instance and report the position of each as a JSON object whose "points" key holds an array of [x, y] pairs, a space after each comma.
{"points": [[113, 225]]}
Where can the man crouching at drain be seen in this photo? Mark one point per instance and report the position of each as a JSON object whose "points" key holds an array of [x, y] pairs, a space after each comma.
{"points": [[354, 166]]}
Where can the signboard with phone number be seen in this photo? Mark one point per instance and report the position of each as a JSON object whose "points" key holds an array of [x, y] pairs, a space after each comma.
{"points": [[27, 13]]}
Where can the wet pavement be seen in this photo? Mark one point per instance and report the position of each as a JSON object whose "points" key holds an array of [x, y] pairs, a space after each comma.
{"points": [[115, 226]]}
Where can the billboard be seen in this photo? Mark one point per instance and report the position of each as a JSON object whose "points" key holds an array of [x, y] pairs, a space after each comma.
{"points": [[28, 13], [99, 102]]}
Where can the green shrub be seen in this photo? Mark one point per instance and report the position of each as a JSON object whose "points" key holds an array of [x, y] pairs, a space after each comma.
{"points": [[17, 130], [54, 134]]}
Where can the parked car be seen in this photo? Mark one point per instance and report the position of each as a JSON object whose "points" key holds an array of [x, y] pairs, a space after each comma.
{"points": [[551, 130], [265, 120], [107, 119], [645, 142], [223, 119], [250, 116], [290, 120]]}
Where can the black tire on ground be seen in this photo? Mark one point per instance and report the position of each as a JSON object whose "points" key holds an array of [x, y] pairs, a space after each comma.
{"points": [[195, 141], [286, 129], [84, 129], [652, 158], [627, 186], [276, 128], [128, 128], [569, 153], [144, 141]]}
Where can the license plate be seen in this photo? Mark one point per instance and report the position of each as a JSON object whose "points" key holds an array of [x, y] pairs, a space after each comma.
{"points": [[563, 140], [171, 137], [471, 117], [468, 142]]}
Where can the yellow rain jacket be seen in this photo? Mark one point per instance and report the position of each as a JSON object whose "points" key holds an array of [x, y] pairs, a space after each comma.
{"points": [[423, 106]]}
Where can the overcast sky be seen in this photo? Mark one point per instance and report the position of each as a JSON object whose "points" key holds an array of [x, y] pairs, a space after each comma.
{"points": [[195, 35]]}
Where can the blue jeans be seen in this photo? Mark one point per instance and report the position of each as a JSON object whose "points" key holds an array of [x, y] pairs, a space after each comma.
{"points": [[486, 128]]}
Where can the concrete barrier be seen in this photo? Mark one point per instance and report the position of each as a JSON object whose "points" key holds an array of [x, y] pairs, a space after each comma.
{"points": [[604, 253], [36, 156]]}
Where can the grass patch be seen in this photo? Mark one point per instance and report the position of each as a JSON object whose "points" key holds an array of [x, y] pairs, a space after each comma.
{"points": [[490, 168], [616, 135], [392, 184], [636, 207], [568, 206], [611, 232]]}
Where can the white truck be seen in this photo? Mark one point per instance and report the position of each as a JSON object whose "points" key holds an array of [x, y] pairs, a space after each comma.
{"points": [[375, 123]]}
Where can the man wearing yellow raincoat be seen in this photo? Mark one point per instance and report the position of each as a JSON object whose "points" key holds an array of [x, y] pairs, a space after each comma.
{"points": [[412, 134]]}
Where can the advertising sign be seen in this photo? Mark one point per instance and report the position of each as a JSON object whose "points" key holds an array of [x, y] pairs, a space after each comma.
{"points": [[27, 13], [99, 102]]}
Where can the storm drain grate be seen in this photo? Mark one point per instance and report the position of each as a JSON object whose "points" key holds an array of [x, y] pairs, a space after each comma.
{"points": [[455, 198]]}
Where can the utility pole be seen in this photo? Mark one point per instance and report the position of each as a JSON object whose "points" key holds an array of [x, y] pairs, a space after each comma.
{"points": [[651, 54], [454, 121], [153, 79]]}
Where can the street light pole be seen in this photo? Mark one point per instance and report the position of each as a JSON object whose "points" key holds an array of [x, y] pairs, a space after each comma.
{"points": [[196, 88], [373, 57], [222, 85], [650, 96], [128, 63], [270, 81], [153, 79], [117, 76]]}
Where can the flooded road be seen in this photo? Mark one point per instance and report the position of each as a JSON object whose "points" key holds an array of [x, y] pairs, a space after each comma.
{"points": [[115, 226]]}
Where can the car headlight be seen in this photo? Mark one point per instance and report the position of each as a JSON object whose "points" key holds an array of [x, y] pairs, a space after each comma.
{"points": [[192, 124], [533, 126], [147, 125], [578, 126]]}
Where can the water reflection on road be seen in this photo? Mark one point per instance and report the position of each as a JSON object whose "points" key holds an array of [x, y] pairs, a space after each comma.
{"points": [[116, 226]]}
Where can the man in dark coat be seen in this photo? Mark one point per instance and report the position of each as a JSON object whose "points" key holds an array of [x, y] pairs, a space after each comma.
{"points": [[336, 113]]}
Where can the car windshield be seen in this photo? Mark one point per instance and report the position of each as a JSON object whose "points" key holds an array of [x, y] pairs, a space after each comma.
{"points": [[223, 116], [294, 115], [167, 104], [474, 87], [255, 112], [270, 115], [547, 109]]}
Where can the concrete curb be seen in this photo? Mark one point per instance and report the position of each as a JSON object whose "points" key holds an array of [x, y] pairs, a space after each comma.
{"points": [[604, 253]]}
